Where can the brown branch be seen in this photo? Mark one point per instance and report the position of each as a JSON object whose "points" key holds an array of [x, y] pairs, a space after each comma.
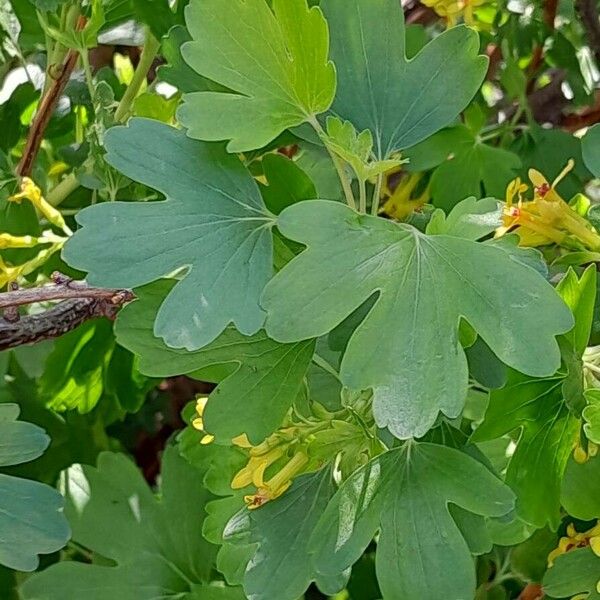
{"points": [[588, 13], [45, 110], [57, 321], [80, 303], [63, 291]]}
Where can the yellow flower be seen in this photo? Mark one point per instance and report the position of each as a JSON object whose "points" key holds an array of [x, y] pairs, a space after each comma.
{"points": [[198, 423], [400, 203], [547, 218], [575, 540], [278, 484], [17, 241], [254, 470], [452, 10], [30, 191], [8, 274], [11, 273]]}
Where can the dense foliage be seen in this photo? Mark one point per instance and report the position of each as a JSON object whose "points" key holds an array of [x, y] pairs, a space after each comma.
{"points": [[299, 299]]}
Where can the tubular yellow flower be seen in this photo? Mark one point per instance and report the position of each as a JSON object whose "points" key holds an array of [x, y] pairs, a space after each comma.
{"points": [[278, 484], [246, 476], [30, 191], [400, 203], [575, 540], [8, 274], [453, 10], [547, 218], [18, 241]]}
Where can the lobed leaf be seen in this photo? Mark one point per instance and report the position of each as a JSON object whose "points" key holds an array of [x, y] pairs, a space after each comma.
{"points": [[259, 378], [405, 494], [214, 225], [275, 61], [424, 286], [401, 101]]}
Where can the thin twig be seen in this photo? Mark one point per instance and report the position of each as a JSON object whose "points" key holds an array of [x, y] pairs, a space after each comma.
{"points": [[45, 110], [63, 290], [58, 320]]}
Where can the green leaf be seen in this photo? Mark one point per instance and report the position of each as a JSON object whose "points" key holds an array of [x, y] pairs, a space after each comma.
{"points": [[540, 409], [281, 567], [471, 219], [260, 378], [176, 71], [31, 513], [590, 146], [417, 367], [287, 183], [530, 559], [157, 14], [405, 494], [577, 571], [74, 371], [580, 493], [159, 550], [548, 151], [213, 223], [275, 60], [19, 441], [476, 170], [401, 101]]}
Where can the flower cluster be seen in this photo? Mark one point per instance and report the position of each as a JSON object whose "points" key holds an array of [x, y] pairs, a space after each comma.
{"points": [[302, 445], [546, 218], [409, 194], [31, 192], [454, 10], [574, 540]]}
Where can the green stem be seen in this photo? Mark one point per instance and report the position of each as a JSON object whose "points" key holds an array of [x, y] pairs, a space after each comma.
{"points": [[89, 79], [337, 162], [69, 184], [62, 190], [376, 195], [149, 52], [362, 190]]}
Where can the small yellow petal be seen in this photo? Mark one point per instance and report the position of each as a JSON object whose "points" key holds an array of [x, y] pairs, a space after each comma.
{"points": [[242, 479]]}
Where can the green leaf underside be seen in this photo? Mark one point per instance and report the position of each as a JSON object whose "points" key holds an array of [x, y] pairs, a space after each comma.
{"points": [[402, 102], [159, 549], [405, 493], [259, 378], [275, 60], [213, 223], [575, 572], [281, 566], [31, 513], [425, 285]]}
